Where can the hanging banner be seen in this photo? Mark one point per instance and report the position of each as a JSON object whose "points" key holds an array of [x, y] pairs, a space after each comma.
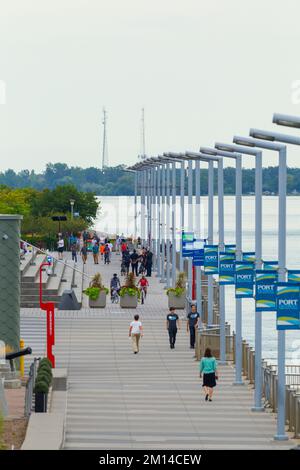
{"points": [[226, 268], [249, 256], [230, 249], [211, 259], [287, 303], [198, 252], [188, 250], [244, 279], [187, 244], [265, 292], [293, 275], [270, 265]]}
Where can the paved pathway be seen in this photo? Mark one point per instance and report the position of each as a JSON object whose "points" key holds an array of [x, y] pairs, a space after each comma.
{"points": [[152, 400]]}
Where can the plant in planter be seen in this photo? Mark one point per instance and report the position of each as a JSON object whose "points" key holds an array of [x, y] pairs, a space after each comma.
{"points": [[129, 293], [41, 390], [176, 295], [42, 385], [96, 292]]}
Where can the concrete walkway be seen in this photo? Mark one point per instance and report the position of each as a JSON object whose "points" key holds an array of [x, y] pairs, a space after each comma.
{"points": [[152, 400]]}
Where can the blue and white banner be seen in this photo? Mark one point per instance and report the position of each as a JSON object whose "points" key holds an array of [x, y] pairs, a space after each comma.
{"points": [[249, 256], [226, 268], [211, 261], [294, 275], [270, 265], [244, 279], [230, 249], [287, 302], [198, 253], [265, 292], [187, 244]]}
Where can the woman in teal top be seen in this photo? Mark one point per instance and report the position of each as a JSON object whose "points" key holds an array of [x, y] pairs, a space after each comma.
{"points": [[208, 367]]}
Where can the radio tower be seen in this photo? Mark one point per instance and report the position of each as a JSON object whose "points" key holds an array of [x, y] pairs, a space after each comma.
{"points": [[104, 145], [143, 140]]}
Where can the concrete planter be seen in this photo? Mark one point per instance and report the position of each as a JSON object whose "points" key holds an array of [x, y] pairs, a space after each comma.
{"points": [[100, 302], [176, 302], [129, 301]]}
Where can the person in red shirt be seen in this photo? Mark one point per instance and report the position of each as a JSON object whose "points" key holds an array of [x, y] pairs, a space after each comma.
{"points": [[123, 247], [143, 284]]}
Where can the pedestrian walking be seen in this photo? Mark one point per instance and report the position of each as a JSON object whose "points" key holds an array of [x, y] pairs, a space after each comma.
{"points": [[149, 262], [208, 367], [126, 261], [74, 252], [192, 324], [106, 254], [60, 247], [95, 250], [134, 257], [84, 253], [172, 326], [136, 332]]}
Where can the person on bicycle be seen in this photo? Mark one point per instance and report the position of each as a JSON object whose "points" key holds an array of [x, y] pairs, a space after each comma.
{"points": [[115, 284], [143, 284]]}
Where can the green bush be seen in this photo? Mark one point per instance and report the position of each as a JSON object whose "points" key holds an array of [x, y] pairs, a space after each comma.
{"points": [[41, 386], [44, 375], [47, 361]]}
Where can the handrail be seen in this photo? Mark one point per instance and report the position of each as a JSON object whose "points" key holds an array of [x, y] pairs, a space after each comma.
{"points": [[58, 260]]}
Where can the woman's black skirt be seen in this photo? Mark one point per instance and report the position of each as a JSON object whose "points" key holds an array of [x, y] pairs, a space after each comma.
{"points": [[209, 380]]}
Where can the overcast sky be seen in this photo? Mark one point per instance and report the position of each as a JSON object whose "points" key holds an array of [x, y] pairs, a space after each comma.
{"points": [[203, 71]]}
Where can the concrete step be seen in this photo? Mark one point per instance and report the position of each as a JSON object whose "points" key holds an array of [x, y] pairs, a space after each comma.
{"points": [[33, 270]]}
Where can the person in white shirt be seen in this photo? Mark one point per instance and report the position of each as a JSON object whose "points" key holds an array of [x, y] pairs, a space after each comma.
{"points": [[136, 332], [60, 247]]}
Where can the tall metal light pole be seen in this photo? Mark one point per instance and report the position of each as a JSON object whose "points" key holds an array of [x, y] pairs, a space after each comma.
{"points": [[163, 223], [210, 158], [72, 202], [238, 239], [256, 140], [257, 153]]}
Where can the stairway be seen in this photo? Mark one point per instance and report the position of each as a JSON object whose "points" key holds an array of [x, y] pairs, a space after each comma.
{"points": [[63, 277]]}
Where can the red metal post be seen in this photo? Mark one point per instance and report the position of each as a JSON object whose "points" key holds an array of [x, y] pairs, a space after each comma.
{"points": [[49, 308], [194, 284]]}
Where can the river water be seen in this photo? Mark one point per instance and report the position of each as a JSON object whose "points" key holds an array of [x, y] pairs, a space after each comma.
{"points": [[117, 216]]}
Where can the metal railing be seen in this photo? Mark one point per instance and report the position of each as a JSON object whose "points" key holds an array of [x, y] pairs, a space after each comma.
{"points": [[270, 380], [30, 387]]}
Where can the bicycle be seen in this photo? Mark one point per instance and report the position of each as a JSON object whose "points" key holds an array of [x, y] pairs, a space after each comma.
{"points": [[115, 296], [143, 294]]}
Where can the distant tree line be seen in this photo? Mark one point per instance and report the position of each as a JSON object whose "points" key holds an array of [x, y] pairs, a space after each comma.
{"points": [[115, 181]]}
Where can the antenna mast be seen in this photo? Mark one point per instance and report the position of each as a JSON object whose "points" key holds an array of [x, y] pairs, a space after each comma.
{"points": [[104, 145], [143, 140]]}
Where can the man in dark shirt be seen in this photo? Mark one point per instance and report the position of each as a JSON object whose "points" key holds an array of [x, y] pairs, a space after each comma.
{"points": [[172, 325], [192, 324], [134, 257]]}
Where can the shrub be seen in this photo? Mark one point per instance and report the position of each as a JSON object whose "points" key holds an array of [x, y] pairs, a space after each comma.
{"points": [[47, 361], [179, 288], [130, 287], [95, 287], [41, 386]]}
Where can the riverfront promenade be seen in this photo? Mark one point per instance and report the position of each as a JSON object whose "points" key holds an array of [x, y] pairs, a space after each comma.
{"points": [[152, 400]]}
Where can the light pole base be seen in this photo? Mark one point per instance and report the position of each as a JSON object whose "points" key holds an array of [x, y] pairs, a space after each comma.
{"points": [[238, 383], [281, 437], [258, 409]]}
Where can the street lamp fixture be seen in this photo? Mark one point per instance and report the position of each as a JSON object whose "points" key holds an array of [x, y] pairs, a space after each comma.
{"points": [[286, 120]]}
